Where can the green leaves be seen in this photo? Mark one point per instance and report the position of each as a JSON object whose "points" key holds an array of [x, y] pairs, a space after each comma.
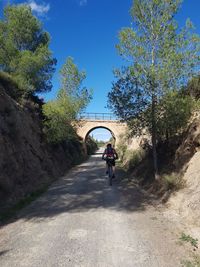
{"points": [[71, 99], [162, 59], [173, 113], [71, 77], [24, 51], [155, 47], [59, 114], [22, 27], [71, 82]]}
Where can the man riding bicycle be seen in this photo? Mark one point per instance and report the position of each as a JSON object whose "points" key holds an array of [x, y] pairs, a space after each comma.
{"points": [[110, 155]]}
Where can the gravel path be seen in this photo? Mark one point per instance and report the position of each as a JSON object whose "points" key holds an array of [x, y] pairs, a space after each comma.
{"points": [[81, 221]]}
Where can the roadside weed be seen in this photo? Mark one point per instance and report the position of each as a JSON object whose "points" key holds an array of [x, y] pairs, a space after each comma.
{"points": [[172, 181], [189, 239], [194, 263]]}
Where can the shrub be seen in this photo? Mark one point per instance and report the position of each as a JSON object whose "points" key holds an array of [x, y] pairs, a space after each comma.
{"points": [[121, 148], [11, 85], [172, 181], [91, 145], [134, 157]]}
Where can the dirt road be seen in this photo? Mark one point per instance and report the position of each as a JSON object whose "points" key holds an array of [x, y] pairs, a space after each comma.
{"points": [[81, 221]]}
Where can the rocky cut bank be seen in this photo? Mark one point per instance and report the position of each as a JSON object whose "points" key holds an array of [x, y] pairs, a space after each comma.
{"points": [[27, 162]]}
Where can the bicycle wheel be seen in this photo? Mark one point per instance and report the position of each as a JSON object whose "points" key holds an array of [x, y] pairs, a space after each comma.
{"points": [[110, 174]]}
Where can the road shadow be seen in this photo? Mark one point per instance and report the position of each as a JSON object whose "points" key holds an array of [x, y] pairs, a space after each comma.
{"points": [[86, 188]]}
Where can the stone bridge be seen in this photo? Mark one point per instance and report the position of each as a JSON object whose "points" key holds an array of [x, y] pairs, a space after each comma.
{"points": [[91, 121]]}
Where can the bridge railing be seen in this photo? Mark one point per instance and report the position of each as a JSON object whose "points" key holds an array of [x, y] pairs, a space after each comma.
{"points": [[97, 116]]}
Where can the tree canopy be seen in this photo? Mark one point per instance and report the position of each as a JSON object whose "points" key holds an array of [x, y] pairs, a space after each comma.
{"points": [[72, 83], [160, 58], [71, 99], [24, 49]]}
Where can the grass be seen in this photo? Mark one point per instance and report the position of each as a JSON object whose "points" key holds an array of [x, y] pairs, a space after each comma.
{"points": [[131, 158], [195, 262], [172, 181], [12, 211], [134, 157], [189, 239]]}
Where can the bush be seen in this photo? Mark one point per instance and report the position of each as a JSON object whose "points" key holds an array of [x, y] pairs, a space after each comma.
{"points": [[59, 114], [91, 145], [133, 158], [129, 158], [10, 85], [172, 181], [174, 111], [122, 147]]}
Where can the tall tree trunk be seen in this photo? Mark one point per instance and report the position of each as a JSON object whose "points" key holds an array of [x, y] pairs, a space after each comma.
{"points": [[154, 138]]}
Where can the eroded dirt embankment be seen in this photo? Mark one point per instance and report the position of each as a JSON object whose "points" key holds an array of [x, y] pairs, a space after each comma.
{"points": [[180, 161], [185, 203], [27, 162]]}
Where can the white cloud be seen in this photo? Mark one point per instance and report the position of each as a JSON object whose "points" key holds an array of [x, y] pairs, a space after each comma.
{"points": [[40, 9], [83, 2]]}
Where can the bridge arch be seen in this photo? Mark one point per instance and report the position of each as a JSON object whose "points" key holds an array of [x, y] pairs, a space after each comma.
{"points": [[115, 127], [101, 127], [90, 121]]}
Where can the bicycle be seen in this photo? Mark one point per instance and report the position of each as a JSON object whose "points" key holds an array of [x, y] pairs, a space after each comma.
{"points": [[109, 162], [110, 170]]}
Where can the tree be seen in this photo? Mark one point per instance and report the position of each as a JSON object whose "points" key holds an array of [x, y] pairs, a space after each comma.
{"points": [[72, 98], [24, 49], [71, 82], [174, 111], [59, 114], [130, 102], [160, 58], [193, 87]]}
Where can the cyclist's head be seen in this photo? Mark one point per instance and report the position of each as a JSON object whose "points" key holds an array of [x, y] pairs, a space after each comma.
{"points": [[109, 145]]}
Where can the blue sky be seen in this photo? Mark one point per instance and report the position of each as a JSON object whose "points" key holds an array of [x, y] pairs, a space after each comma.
{"points": [[87, 31]]}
